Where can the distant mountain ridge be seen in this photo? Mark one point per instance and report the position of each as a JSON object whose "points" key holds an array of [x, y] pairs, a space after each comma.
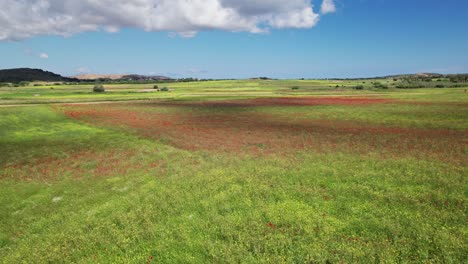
{"points": [[90, 76], [29, 75], [421, 74], [123, 77]]}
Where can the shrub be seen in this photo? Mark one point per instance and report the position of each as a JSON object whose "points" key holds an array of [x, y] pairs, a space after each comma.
{"points": [[440, 86], [155, 87], [359, 87], [457, 85], [410, 85], [295, 88], [380, 85], [164, 89], [98, 88]]}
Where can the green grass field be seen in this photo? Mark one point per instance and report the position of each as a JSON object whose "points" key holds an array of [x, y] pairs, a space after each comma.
{"points": [[233, 171]]}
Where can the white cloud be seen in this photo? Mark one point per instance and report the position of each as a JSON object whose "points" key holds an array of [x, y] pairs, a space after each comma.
{"points": [[328, 6], [22, 19], [44, 56]]}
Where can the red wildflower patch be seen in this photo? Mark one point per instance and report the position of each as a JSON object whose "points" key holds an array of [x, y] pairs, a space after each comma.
{"points": [[77, 164], [209, 127], [288, 101], [293, 101]]}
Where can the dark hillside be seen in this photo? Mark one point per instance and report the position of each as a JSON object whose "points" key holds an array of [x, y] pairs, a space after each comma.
{"points": [[28, 75]]}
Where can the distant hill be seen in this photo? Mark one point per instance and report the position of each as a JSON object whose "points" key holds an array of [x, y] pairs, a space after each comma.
{"points": [[416, 75], [29, 75], [121, 77], [261, 78], [98, 76], [136, 77]]}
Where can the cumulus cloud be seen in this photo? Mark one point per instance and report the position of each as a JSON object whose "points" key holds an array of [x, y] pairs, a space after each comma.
{"points": [[44, 56], [20, 19], [328, 6]]}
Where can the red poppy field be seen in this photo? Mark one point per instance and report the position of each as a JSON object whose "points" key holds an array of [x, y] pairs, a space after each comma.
{"points": [[214, 126]]}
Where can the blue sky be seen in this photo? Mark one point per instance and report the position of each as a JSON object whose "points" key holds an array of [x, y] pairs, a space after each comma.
{"points": [[362, 38]]}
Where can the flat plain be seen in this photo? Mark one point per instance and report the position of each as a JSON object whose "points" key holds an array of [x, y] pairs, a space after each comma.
{"points": [[252, 171]]}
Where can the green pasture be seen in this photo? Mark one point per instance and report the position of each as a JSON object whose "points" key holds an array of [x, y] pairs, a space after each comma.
{"points": [[53, 93], [73, 192]]}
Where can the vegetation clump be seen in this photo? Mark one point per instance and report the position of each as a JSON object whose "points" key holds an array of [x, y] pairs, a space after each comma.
{"points": [[295, 88], [458, 78], [380, 85], [432, 81], [99, 88], [164, 89], [359, 87]]}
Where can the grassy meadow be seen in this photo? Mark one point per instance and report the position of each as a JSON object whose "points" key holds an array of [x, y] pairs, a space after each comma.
{"points": [[248, 171]]}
